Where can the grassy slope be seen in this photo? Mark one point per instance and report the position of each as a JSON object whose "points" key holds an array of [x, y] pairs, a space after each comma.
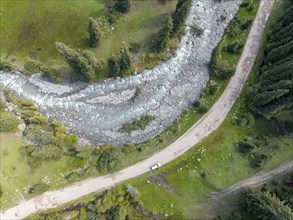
{"points": [[170, 135], [17, 176], [37, 25], [221, 164]]}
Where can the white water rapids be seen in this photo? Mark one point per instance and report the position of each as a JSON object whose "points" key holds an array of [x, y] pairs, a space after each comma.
{"points": [[96, 111]]}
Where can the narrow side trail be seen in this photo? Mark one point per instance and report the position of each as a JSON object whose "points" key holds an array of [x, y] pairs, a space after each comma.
{"points": [[205, 126]]}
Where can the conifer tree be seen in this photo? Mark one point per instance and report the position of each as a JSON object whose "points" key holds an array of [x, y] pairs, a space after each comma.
{"points": [[94, 32], [122, 6], [124, 61], [114, 67], [180, 15], [164, 35], [76, 61]]}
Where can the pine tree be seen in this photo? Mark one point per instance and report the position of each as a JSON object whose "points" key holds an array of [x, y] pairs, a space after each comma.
{"points": [[114, 67], [180, 15], [164, 35], [124, 61], [76, 61], [264, 205], [122, 6], [94, 32]]}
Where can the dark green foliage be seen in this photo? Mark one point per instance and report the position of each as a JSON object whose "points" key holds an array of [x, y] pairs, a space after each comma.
{"points": [[285, 191], [283, 33], [94, 32], [273, 89], [234, 48], [165, 34], [246, 24], [244, 147], [180, 15], [220, 68], [122, 6], [246, 3], [202, 109], [119, 66], [114, 67], [264, 205], [196, 103], [38, 188], [47, 152], [76, 61], [137, 124], [278, 43], [258, 160], [5, 66], [266, 97], [124, 61], [108, 159], [279, 53], [114, 204]]}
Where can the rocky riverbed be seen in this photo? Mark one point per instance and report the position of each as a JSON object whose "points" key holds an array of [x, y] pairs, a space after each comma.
{"points": [[96, 111]]}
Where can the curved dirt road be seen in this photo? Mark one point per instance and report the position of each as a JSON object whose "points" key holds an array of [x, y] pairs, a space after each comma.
{"points": [[205, 126]]}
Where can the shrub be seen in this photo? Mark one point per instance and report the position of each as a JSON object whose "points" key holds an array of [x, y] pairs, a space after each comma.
{"points": [[124, 61], [108, 159], [202, 109], [46, 138], [39, 119], [234, 48], [259, 160], [244, 147], [38, 188], [5, 66], [47, 152], [196, 103], [134, 47], [137, 124], [2, 104], [95, 33], [8, 122], [34, 66], [246, 24], [114, 67], [122, 6], [26, 115]]}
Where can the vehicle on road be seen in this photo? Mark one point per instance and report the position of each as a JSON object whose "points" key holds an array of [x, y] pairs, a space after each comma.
{"points": [[156, 166]]}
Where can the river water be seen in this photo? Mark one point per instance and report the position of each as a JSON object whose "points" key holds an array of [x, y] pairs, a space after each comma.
{"points": [[96, 111]]}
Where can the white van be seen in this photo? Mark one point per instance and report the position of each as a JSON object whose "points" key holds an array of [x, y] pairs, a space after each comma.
{"points": [[156, 166]]}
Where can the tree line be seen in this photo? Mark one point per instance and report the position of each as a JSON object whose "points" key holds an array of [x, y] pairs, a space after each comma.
{"points": [[273, 89]]}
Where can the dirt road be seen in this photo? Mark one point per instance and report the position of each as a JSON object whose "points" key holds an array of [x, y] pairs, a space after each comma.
{"points": [[223, 202], [257, 180], [205, 126]]}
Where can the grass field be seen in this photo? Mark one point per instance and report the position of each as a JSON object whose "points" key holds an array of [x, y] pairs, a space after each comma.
{"points": [[17, 177], [212, 165], [30, 28], [146, 149]]}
